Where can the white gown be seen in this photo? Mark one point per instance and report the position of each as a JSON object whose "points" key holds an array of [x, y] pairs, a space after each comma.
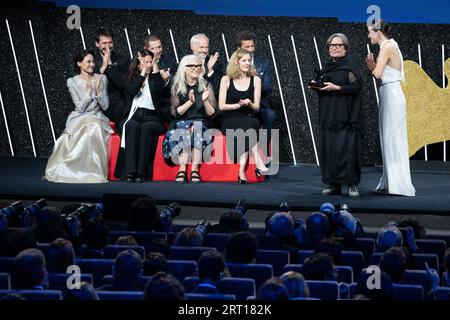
{"points": [[396, 178]]}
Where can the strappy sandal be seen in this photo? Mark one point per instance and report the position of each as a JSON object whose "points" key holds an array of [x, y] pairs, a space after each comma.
{"points": [[182, 175], [195, 177]]}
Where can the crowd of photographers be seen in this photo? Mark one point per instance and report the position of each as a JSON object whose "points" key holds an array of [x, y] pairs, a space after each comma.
{"points": [[78, 230]]}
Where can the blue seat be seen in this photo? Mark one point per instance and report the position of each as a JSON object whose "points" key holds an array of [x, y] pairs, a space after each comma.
{"points": [[344, 273], [108, 280], [199, 296], [407, 292], [216, 240], [7, 264], [188, 253], [97, 267], [259, 272], [241, 288], [5, 281], [430, 258], [298, 298], [355, 259], [325, 290], [143, 238], [443, 293], [367, 246], [277, 258], [35, 294], [432, 246], [58, 281], [111, 251], [352, 290], [181, 269], [43, 247], [303, 254], [120, 295], [419, 277]]}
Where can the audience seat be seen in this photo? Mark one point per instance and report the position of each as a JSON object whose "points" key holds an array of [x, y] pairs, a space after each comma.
{"points": [[200, 296], [367, 246], [219, 168], [344, 273], [325, 290], [143, 238], [35, 294], [188, 253], [419, 258], [442, 293], [111, 251], [259, 272], [240, 287], [7, 264], [418, 277], [181, 269], [432, 246], [5, 281], [277, 258], [108, 280], [216, 240], [97, 267], [407, 291], [355, 259], [58, 281], [120, 295]]}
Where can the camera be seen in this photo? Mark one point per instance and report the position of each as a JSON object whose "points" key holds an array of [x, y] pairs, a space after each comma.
{"points": [[31, 211], [12, 209], [86, 212], [21, 216], [172, 211], [202, 228], [319, 79], [241, 207], [284, 207]]}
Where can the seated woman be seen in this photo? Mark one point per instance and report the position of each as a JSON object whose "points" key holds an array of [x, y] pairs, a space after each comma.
{"points": [[141, 122], [80, 154], [193, 105], [239, 98]]}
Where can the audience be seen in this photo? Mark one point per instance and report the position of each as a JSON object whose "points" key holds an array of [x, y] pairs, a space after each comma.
{"points": [[164, 286], [211, 267], [155, 263], [295, 284], [59, 256], [126, 241], [241, 247], [96, 237], [273, 289], [188, 237], [86, 292], [319, 267], [29, 270]]}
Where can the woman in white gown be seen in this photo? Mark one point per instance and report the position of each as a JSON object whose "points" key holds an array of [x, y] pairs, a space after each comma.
{"points": [[81, 154], [396, 178]]}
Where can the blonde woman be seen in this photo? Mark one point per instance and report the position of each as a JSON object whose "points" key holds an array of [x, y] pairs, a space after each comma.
{"points": [[193, 105], [239, 101]]}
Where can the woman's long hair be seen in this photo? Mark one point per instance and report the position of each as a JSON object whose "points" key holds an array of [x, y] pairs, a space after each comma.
{"points": [[133, 69], [179, 86], [233, 69]]}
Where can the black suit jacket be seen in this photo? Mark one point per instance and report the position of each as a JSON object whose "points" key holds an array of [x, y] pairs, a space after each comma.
{"points": [[264, 69], [115, 74], [215, 78]]}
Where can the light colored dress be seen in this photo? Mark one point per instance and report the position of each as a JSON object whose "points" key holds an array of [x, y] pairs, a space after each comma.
{"points": [[81, 153], [396, 178]]}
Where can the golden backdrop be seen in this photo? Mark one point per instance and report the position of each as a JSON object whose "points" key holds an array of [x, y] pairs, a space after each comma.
{"points": [[428, 107]]}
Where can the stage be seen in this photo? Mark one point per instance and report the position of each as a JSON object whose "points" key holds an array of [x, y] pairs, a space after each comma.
{"points": [[299, 185]]}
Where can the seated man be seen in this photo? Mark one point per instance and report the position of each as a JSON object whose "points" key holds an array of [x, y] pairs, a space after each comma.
{"points": [[273, 289], [165, 287], [241, 247], [211, 266], [29, 270]]}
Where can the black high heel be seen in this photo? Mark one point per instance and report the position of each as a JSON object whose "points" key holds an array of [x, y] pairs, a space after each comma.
{"points": [[242, 181]]}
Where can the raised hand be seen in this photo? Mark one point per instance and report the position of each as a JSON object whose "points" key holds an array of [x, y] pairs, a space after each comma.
{"points": [[212, 61], [206, 94], [145, 69], [98, 88], [370, 62], [329, 86], [192, 95], [165, 74], [106, 60]]}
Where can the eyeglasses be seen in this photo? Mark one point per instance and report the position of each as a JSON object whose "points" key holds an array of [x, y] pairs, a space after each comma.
{"points": [[335, 45], [194, 66]]}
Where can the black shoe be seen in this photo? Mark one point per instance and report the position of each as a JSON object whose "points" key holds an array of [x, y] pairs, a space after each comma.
{"points": [[353, 192], [140, 179], [242, 181], [181, 175], [195, 177], [129, 178], [331, 189]]}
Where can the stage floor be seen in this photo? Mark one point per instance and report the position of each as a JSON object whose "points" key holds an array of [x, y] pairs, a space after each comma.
{"points": [[299, 185]]}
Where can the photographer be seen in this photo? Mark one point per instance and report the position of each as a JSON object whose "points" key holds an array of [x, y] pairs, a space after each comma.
{"points": [[232, 221], [340, 121], [143, 216]]}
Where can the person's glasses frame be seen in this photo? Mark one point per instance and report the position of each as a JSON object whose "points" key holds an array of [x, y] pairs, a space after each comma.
{"points": [[194, 66], [335, 45]]}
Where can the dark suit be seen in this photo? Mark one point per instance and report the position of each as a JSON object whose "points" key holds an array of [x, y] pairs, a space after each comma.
{"points": [[164, 63], [141, 131], [115, 74], [267, 114], [215, 78]]}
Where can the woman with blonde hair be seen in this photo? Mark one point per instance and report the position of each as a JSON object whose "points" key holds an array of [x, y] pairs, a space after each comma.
{"points": [[193, 105], [239, 101]]}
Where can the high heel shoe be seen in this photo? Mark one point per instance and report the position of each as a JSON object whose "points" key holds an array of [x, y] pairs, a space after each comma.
{"points": [[242, 181], [259, 172]]}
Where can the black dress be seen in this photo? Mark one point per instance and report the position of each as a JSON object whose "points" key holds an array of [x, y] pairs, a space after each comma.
{"points": [[244, 118], [340, 124]]}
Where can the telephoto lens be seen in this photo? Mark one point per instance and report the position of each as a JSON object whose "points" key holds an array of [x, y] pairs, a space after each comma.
{"points": [[202, 227], [284, 207], [241, 207]]}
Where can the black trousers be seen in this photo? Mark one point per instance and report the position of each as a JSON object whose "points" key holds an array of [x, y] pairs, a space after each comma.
{"points": [[141, 134]]}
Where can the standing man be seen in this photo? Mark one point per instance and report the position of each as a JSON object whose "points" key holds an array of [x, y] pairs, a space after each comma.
{"points": [[247, 40], [166, 66], [114, 67], [213, 68]]}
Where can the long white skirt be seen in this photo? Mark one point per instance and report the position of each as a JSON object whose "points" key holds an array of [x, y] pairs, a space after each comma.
{"points": [[396, 178], [81, 157]]}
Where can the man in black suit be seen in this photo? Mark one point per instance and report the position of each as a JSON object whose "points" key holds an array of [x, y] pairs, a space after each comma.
{"points": [[114, 66], [211, 266], [247, 40], [166, 66], [213, 68]]}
